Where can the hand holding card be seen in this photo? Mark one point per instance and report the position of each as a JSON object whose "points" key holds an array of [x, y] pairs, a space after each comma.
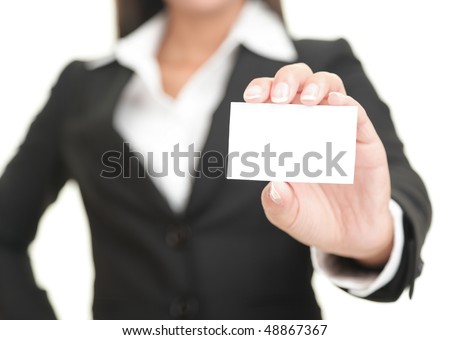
{"points": [[350, 220]]}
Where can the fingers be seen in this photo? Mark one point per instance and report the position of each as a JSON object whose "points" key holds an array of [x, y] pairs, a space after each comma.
{"points": [[294, 83], [258, 91], [318, 86], [283, 88], [288, 82]]}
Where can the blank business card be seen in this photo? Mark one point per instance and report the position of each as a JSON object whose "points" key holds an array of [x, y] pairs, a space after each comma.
{"points": [[292, 143]]}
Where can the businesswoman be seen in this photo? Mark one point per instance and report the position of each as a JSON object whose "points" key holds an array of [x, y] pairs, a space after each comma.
{"points": [[209, 248]]}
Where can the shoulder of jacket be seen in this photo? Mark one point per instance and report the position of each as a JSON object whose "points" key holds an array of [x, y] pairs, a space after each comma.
{"points": [[315, 45], [321, 52], [79, 70]]}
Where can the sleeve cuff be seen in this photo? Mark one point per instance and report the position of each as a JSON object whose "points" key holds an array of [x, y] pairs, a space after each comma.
{"points": [[362, 282]]}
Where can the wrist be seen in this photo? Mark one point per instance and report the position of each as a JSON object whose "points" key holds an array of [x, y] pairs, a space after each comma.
{"points": [[379, 255]]}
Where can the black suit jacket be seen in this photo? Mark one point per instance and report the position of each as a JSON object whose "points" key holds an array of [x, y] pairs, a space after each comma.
{"points": [[221, 259]]}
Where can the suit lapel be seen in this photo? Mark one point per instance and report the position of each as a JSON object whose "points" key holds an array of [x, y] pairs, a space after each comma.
{"points": [[248, 67], [98, 134]]}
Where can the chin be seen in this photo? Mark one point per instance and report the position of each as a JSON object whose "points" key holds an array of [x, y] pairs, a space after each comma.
{"points": [[201, 6]]}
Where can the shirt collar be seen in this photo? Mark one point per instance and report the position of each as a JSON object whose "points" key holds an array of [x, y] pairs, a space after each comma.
{"points": [[257, 28]]}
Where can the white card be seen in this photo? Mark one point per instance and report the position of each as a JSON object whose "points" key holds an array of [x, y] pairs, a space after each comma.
{"points": [[292, 143]]}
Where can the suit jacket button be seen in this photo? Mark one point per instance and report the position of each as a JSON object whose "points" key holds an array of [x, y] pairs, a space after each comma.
{"points": [[177, 235], [184, 308]]}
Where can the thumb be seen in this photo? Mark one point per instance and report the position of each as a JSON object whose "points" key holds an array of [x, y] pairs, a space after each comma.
{"points": [[280, 205]]}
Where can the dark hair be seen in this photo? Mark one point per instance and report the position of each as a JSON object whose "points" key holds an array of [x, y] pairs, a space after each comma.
{"points": [[132, 13]]}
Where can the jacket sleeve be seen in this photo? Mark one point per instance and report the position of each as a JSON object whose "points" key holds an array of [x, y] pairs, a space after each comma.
{"points": [[407, 189], [30, 182]]}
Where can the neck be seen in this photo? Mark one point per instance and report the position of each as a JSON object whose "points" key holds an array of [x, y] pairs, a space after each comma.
{"points": [[194, 37]]}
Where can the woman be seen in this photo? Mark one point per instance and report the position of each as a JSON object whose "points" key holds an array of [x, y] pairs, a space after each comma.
{"points": [[175, 247]]}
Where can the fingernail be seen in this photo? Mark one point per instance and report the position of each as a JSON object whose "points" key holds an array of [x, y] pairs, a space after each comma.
{"points": [[280, 93], [253, 92], [311, 92], [274, 195], [337, 94]]}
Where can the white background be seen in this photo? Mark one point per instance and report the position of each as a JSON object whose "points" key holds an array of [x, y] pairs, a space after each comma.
{"points": [[404, 48]]}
